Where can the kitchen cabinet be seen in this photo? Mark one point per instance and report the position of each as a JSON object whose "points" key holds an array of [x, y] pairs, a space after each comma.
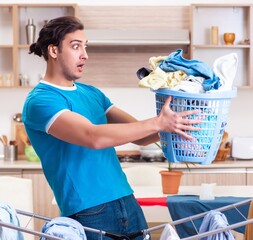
{"points": [[249, 176], [220, 176], [14, 59], [236, 18], [42, 197]]}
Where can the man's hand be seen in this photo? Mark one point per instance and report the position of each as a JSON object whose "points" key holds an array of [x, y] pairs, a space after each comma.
{"points": [[180, 122]]}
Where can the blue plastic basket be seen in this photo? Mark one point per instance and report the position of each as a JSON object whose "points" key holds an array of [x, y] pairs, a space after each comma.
{"points": [[213, 111]]}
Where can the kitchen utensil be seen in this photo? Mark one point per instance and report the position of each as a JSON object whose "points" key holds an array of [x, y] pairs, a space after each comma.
{"points": [[10, 153], [18, 130], [4, 139], [23, 137], [242, 147]]}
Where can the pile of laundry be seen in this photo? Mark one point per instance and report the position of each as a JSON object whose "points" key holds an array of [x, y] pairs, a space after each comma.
{"points": [[177, 73]]}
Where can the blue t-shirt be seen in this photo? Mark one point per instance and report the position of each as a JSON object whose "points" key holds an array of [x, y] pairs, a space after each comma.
{"points": [[80, 177]]}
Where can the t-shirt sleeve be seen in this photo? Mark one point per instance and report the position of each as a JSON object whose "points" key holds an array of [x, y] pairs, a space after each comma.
{"points": [[39, 111], [107, 104]]}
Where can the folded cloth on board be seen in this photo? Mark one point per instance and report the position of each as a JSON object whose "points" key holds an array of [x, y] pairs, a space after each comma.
{"points": [[249, 227], [155, 201], [64, 227], [215, 220], [183, 206], [8, 215], [169, 233]]}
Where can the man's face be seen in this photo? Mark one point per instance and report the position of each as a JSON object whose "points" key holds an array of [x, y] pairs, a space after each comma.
{"points": [[72, 55]]}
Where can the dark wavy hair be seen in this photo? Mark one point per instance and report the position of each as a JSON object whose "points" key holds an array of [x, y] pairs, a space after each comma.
{"points": [[53, 33]]}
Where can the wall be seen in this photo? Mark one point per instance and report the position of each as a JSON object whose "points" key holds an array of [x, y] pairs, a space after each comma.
{"points": [[139, 102]]}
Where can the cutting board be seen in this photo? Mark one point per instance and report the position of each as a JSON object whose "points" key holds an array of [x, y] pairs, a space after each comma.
{"points": [[19, 133]]}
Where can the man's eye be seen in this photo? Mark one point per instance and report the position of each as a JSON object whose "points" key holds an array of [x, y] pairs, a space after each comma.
{"points": [[75, 46]]}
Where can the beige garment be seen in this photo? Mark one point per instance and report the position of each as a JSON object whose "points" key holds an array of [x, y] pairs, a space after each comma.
{"points": [[249, 227], [160, 79], [154, 61]]}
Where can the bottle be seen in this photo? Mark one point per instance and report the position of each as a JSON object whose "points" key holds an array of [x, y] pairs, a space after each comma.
{"points": [[215, 35], [30, 31]]}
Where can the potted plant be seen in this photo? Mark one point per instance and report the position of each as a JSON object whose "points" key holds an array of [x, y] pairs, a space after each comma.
{"points": [[171, 178]]}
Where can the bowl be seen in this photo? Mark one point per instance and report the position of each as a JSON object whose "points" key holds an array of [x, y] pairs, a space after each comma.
{"points": [[30, 154]]}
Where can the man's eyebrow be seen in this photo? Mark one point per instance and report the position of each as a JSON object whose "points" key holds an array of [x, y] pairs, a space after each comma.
{"points": [[80, 41], [76, 40]]}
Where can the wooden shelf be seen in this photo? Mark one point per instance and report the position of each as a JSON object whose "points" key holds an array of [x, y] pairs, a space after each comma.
{"points": [[16, 16], [236, 18], [221, 46]]}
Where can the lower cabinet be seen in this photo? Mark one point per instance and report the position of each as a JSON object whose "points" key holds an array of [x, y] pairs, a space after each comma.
{"points": [[222, 176], [249, 176]]}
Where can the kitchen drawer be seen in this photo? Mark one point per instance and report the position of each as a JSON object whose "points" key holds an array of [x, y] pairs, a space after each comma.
{"points": [[233, 176], [249, 176]]}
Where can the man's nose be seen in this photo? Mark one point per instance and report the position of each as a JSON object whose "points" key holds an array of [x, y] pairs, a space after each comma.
{"points": [[84, 54]]}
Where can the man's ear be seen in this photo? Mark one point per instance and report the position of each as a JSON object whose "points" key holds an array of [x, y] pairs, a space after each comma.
{"points": [[52, 51]]}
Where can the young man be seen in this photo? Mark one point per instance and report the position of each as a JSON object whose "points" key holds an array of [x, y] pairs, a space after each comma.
{"points": [[74, 127]]}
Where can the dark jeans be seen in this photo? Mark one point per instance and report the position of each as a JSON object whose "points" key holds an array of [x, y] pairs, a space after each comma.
{"points": [[122, 216]]}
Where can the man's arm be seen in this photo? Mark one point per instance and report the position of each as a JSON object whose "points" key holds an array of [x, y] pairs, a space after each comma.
{"points": [[74, 128]]}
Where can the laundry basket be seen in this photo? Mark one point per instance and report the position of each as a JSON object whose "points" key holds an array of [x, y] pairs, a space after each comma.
{"points": [[213, 111]]}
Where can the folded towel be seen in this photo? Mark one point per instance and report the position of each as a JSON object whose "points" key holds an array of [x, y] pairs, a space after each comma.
{"points": [[63, 227], [8, 215]]}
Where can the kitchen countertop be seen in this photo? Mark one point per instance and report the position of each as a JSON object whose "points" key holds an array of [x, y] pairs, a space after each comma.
{"points": [[19, 164], [230, 163]]}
